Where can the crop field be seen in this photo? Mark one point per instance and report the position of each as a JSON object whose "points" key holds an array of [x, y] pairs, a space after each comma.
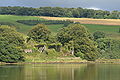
{"points": [[87, 20]]}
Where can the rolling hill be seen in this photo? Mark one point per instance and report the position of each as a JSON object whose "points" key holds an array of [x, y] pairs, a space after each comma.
{"points": [[110, 26]]}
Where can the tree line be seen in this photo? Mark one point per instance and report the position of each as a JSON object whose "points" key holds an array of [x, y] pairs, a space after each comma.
{"points": [[46, 22], [60, 12]]}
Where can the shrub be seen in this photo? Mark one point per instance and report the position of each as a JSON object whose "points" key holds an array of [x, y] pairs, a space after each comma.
{"points": [[98, 35], [109, 48]]}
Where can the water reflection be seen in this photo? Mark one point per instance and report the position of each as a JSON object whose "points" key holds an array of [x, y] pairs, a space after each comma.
{"points": [[60, 72]]}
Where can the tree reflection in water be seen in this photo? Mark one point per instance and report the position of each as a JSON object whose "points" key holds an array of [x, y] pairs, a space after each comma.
{"points": [[60, 72]]}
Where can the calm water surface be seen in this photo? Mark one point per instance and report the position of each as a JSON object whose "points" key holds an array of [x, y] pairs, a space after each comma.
{"points": [[60, 72]]}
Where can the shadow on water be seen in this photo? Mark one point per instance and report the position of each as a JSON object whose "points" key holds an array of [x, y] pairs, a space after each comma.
{"points": [[60, 72]]}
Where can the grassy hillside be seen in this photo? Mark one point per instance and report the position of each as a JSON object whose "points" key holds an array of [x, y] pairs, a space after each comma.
{"points": [[12, 19], [111, 30], [105, 28], [22, 27]]}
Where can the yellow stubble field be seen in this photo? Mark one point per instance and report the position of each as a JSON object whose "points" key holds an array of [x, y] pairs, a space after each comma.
{"points": [[87, 20]]}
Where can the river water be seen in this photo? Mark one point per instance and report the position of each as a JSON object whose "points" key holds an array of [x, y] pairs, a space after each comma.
{"points": [[60, 72]]}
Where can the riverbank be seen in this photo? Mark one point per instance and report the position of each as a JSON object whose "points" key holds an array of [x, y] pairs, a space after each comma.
{"points": [[114, 61]]}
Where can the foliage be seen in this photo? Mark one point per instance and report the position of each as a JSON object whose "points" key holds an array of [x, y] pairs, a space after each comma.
{"points": [[12, 36], [39, 33], [55, 46], [46, 22], [109, 48], [98, 34], [11, 43], [60, 12], [79, 38], [8, 52]]}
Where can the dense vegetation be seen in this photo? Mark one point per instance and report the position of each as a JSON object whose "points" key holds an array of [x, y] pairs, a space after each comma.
{"points": [[46, 22], [11, 43], [107, 47], [73, 40], [60, 12], [75, 37], [39, 33]]}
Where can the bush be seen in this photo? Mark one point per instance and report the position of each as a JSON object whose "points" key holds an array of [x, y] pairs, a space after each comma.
{"points": [[109, 48], [56, 46], [98, 35]]}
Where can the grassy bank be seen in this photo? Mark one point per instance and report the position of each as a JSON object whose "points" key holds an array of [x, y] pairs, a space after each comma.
{"points": [[68, 61]]}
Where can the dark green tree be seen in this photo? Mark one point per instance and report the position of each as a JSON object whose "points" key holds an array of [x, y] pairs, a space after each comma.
{"points": [[8, 52], [12, 36], [81, 41], [98, 34], [40, 33]]}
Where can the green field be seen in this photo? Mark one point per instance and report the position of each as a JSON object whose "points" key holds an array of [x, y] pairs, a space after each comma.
{"points": [[25, 28], [104, 28], [12, 19], [109, 29]]}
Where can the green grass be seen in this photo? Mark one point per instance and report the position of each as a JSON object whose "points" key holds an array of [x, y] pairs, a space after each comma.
{"points": [[110, 30], [25, 28], [104, 28], [51, 57], [13, 19]]}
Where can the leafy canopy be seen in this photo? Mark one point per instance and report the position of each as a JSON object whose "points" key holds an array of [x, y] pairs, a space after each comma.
{"points": [[98, 34], [39, 33], [11, 43], [8, 52], [11, 35], [80, 39]]}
